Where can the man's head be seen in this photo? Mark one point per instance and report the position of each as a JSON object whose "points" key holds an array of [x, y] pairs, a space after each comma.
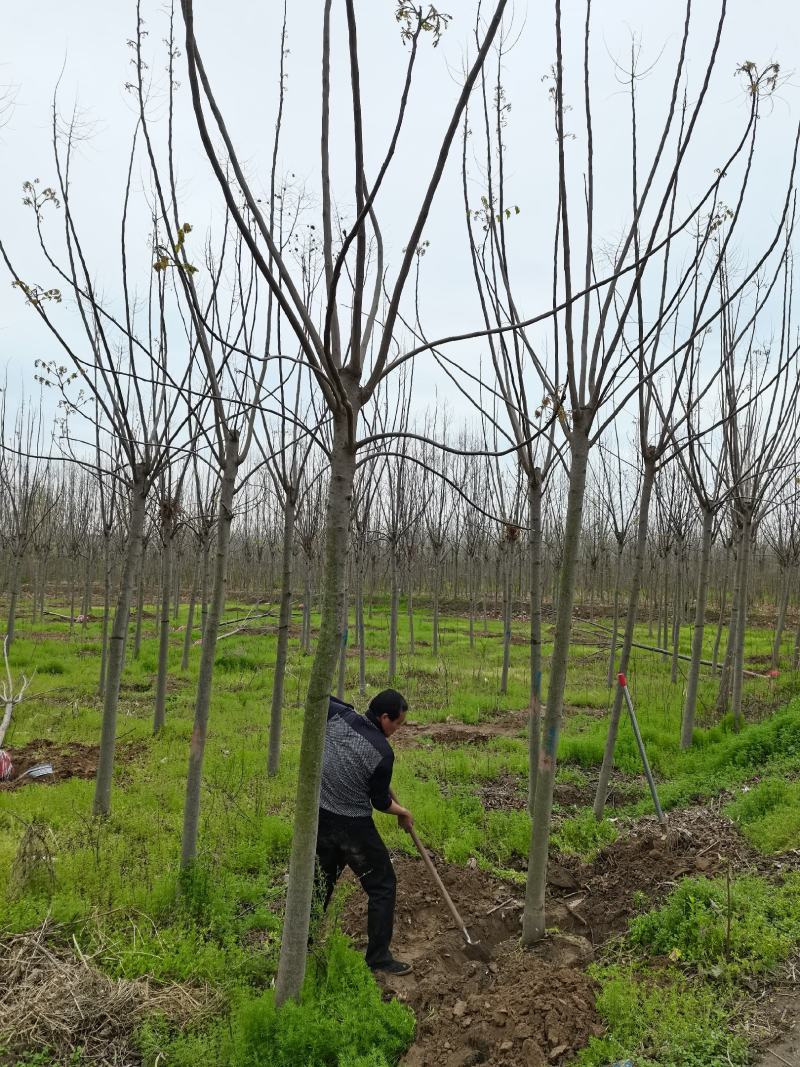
{"points": [[388, 711]]}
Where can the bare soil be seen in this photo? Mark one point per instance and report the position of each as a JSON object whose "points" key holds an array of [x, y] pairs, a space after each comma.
{"points": [[533, 1008], [598, 899], [70, 759]]}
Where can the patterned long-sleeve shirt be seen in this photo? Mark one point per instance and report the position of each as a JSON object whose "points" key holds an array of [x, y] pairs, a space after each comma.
{"points": [[357, 764]]}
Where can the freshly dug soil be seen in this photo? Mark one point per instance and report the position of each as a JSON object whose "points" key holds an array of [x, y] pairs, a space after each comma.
{"points": [[70, 759], [598, 899], [532, 1008]]}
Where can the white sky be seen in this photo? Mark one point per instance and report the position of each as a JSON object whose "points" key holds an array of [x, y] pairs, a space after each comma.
{"points": [[240, 41]]}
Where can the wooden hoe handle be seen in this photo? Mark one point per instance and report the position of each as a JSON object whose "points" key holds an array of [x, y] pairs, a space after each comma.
{"points": [[435, 876]]}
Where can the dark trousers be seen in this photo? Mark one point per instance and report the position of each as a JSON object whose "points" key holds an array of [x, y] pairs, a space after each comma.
{"points": [[356, 843]]}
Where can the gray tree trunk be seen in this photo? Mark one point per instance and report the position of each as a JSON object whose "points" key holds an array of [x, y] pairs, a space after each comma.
{"points": [[282, 652], [410, 610], [741, 625], [612, 655], [176, 586], [86, 603], [106, 609], [507, 558], [194, 777], [723, 698], [137, 638], [73, 592], [305, 639], [676, 617], [472, 603], [690, 703], [627, 640], [13, 594], [340, 685], [360, 630], [437, 566], [160, 711], [781, 623], [294, 946], [394, 595], [204, 585], [535, 561], [187, 636], [116, 649], [533, 919], [723, 603]]}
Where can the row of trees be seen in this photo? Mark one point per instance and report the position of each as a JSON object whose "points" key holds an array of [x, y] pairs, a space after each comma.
{"points": [[266, 375], [61, 557]]}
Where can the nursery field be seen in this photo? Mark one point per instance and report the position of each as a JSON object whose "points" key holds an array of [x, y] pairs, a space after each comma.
{"points": [[674, 948]]}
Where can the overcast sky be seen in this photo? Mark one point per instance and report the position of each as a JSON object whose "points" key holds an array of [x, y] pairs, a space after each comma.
{"points": [[85, 43]]}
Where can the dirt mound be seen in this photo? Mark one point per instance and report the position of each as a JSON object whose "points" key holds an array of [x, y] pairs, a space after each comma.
{"points": [[69, 759], [598, 899], [532, 1008]]}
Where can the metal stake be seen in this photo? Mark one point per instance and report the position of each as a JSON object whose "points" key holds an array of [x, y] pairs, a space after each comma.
{"points": [[640, 743]]}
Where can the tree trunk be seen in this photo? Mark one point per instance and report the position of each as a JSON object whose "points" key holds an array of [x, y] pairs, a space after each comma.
{"points": [[437, 565], [194, 777], [676, 618], [294, 946], [533, 920], [163, 635], [472, 603], [204, 584], [627, 640], [781, 623], [13, 594], [723, 603], [535, 562], [116, 650], [306, 638], [137, 639], [72, 596], [187, 636], [394, 595], [506, 550], [340, 685], [723, 697], [176, 587], [612, 656], [86, 603], [690, 704], [360, 629], [741, 625], [106, 610], [284, 621], [410, 610]]}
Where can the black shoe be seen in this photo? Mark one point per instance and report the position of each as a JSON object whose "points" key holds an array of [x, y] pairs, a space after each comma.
{"points": [[392, 966]]}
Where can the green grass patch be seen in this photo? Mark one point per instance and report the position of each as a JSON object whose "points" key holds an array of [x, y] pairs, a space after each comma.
{"points": [[661, 1019], [725, 929]]}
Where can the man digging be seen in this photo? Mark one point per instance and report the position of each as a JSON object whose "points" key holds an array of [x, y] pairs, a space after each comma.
{"points": [[356, 777]]}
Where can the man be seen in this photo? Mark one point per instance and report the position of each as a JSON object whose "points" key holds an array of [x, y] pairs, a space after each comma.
{"points": [[356, 777]]}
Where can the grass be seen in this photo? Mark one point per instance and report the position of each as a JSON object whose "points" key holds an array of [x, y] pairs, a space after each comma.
{"points": [[117, 884]]}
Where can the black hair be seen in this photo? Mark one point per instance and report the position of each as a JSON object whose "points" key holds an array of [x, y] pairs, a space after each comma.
{"points": [[388, 702]]}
